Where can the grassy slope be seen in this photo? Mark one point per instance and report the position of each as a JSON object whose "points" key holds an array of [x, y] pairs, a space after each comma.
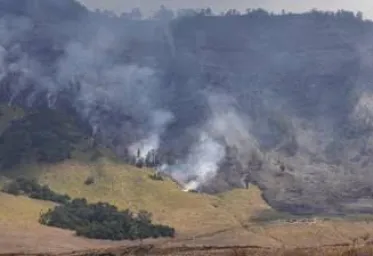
{"points": [[191, 214], [21, 210], [129, 187], [122, 185]]}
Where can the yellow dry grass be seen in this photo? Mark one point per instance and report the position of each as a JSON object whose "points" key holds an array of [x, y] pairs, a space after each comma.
{"points": [[221, 219], [129, 187], [20, 210], [243, 203]]}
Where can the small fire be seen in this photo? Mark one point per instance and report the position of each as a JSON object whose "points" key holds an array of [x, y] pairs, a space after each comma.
{"points": [[191, 186]]}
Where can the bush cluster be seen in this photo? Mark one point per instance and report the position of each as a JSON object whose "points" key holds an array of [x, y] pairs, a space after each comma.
{"points": [[30, 188], [104, 221], [99, 221]]}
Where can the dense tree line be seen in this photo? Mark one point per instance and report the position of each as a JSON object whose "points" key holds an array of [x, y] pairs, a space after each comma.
{"points": [[46, 136], [30, 188], [104, 221]]}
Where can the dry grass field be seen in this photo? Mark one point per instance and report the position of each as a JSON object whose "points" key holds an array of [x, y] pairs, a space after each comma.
{"points": [[200, 220], [129, 187]]}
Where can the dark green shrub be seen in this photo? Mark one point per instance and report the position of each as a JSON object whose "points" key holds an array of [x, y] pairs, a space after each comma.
{"points": [[13, 189], [89, 181], [139, 163], [104, 221], [34, 190]]}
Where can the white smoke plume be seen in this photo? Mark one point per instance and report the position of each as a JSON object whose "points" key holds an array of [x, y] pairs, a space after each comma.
{"points": [[201, 164], [230, 125], [105, 84], [226, 127], [363, 111], [160, 119]]}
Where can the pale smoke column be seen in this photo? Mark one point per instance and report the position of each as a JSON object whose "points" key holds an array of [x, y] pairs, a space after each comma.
{"points": [[145, 146], [225, 127], [160, 119], [363, 111], [203, 161], [231, 124], [2, 65]]}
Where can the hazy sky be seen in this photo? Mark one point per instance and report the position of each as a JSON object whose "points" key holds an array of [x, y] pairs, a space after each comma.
{"points": [[366, 6]]}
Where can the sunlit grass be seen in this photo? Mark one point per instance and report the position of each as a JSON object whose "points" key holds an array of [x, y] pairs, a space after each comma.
{"points": [[129, 187], [19, 210]]}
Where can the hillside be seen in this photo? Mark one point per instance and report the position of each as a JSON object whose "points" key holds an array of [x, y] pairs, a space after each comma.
{"points": [[237, 217], [56, 149], [267, 122], [126, 187], [226, 219], [280, 100], [113, 181], [129, 187], [21, 210]]}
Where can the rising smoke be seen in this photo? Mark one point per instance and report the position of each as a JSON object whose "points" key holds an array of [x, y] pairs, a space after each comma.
{"points": [[296, 113], [225, 127]]}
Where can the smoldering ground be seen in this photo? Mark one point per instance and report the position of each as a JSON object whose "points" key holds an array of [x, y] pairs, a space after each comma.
{"points": [[279, 100]]}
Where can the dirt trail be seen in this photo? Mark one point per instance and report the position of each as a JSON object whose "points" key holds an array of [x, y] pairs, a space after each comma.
{"points": [[251, 240], [149, 250]]}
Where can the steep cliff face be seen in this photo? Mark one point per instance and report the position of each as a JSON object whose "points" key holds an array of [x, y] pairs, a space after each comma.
{"points": [[281, 101]]}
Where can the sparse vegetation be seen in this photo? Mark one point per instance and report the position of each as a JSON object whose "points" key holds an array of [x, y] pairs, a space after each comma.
{"points": [[193, 191], [89, 181], [104, 221], [156, 176], [139, 163], [270, 215]]}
